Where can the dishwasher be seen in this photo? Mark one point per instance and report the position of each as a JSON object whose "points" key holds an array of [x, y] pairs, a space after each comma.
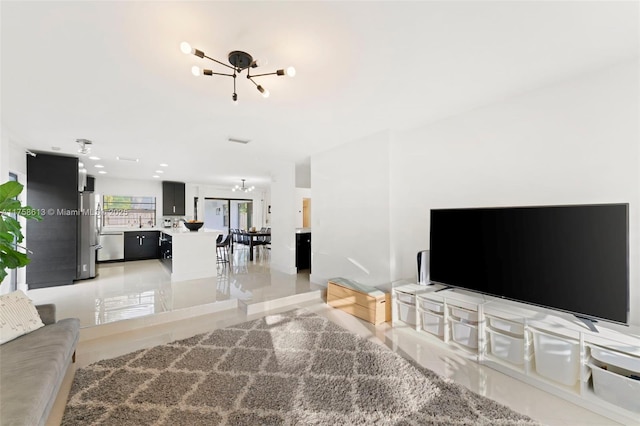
{"points": [[112, 246]]}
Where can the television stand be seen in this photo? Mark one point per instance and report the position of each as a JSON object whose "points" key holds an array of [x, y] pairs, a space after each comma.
{"points": [[539, 346], [590, 323]]}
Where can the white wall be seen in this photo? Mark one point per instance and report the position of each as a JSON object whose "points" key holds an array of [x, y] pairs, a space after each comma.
{"points": [[350, 212], [13, 159], [301, 193], [282, 219], [575, 142]]}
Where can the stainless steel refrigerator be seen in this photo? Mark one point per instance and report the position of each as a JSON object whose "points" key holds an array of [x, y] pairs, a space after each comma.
{"points": [[88, 235]]}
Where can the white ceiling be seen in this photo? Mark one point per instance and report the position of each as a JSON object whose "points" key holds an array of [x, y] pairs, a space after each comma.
{"points": [[112, 72]]}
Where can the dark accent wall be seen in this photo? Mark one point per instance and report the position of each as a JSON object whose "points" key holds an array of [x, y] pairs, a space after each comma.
{"points": [[52, 188]]}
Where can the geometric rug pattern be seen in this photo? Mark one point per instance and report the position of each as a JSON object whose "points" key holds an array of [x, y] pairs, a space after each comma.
{"points": [[293, 368]]}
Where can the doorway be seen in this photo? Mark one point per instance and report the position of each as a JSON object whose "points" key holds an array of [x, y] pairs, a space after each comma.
{"points": [[306, 212], [225, 214]]}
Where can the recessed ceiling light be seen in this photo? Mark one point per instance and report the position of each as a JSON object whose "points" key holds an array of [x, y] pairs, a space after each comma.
{"points": [[159, 171], [100, 166], [134, 160], [155, 176], [164, 165], [102, 172], [93, 157]]}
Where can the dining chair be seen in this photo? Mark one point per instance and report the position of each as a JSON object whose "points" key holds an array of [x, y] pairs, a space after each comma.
{"points": [[222, 249]]}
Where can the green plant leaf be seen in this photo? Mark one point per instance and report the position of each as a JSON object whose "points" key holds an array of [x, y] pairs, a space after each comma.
{"points": [[12, 226], [6, 236], [29, 212], [10, 205], [10, 229], [13, 259], [10, 190]]}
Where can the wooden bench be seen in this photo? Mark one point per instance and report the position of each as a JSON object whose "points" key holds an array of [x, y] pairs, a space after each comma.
{"points": [[362, 301]]}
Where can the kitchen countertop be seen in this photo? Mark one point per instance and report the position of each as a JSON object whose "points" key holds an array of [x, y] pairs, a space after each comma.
{"points": [[185, 231], [303, 230], [171, 231]]}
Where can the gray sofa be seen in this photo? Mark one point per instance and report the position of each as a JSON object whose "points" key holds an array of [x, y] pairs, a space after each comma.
{"points": [[32, 368]]}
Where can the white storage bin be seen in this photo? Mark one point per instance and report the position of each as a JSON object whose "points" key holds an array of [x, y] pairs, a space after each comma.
{"points": [[557, 358], [617, 359], [407, 298], [433, 323], [509, 348], [471, 316], [430, 305], [465, 334], [406, 313], [508, 326], [614, 386]]}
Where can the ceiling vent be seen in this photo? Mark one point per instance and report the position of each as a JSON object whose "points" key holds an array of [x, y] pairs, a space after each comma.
{"points": [[238, 140]]}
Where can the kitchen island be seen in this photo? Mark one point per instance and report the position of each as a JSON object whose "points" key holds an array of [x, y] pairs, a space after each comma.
{"points": [[191, 254]]}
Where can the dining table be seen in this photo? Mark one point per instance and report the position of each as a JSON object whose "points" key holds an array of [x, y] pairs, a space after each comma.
{"points": [[253, 239]]}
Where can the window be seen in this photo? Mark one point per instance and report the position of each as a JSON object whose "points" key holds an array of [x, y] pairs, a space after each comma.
{"points": [[124, 210]]}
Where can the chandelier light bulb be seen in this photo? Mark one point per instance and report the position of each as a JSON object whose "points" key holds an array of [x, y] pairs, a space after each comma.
{"points": [[195, 70], [185, 48], [291, 72]]}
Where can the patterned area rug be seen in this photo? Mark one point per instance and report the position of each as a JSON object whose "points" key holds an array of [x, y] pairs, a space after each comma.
{"points": [[294, 368]]}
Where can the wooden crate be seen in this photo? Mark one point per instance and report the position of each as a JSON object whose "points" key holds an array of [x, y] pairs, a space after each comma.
{"points": [[367, 303]]}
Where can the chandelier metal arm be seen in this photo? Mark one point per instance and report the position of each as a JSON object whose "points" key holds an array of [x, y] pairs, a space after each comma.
{"points": [[218, 62], [268, 73], [209, 72]]}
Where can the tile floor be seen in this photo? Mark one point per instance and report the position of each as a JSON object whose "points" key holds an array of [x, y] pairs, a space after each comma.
{"points": [[127, 290], [135, 289]]}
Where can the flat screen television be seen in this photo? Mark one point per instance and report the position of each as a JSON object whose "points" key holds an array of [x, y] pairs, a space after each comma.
{"points": [[572, 258]]}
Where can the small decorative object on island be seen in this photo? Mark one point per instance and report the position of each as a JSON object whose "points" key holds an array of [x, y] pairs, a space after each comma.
{"points": [[193, 225], [10, 229]]}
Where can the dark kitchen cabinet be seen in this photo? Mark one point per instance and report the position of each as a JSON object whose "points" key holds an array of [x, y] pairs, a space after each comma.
{"points": [[173, 198], [52, 189], [303, 250], [139, 245], [166, 250]]}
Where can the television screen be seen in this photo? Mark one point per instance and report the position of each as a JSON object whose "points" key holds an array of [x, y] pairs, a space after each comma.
{"points": [[571, 258]]}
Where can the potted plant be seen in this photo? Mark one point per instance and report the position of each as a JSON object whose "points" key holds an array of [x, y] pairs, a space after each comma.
{"points": [[10, 229]]}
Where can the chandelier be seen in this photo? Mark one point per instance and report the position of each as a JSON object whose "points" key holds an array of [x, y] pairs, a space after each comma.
{"points": [[243, 188], [239, 62]]}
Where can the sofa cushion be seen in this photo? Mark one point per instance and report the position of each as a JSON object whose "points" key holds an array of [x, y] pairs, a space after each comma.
{"points": [[32, 370], [18, 316]]}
